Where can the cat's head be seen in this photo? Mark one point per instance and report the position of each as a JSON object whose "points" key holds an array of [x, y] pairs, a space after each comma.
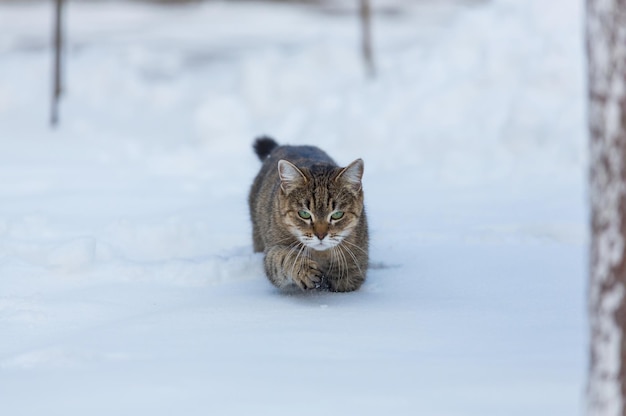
{"points": [[321, 205]]}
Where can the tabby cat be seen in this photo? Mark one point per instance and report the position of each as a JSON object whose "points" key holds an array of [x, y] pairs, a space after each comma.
{"points": [[308, 218]]}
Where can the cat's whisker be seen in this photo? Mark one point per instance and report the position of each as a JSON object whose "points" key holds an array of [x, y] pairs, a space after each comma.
{"points": [[356, 262], [289, 238], [346, 267], [332, 262], [354, 245], [293, 247], [293, 267], [344, 263]]}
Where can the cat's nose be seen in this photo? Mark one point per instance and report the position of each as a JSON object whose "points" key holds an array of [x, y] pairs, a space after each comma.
{"points": [[321, 235]]}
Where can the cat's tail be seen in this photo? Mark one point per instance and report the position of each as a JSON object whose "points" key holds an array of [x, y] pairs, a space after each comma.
{"points": [[263, 146]]}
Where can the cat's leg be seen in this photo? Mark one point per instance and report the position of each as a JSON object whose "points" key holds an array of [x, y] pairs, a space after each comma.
{"points": [[257, 241], [285, 265], [348, 271], [348, 284]]}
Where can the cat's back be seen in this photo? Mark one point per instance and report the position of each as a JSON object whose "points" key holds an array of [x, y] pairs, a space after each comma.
{"points": [[302, 156], [269, 152]]}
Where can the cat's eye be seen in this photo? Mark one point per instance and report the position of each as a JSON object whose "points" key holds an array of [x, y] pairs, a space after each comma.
{"points": [[305, 215], [337, 215]]}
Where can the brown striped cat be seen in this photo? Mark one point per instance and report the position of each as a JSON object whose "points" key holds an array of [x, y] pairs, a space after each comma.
{"points": [[308, 218]]}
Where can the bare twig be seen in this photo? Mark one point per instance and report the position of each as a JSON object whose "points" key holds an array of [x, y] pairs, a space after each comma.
{"points": [[58, 50], [366, 36]]}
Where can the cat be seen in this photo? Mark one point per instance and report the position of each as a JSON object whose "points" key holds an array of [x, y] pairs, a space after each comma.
{"points": [[308, 218]]}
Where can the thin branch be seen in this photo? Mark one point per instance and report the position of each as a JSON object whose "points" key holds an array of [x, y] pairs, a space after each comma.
{"points": [[58, 50], [365, 12]]}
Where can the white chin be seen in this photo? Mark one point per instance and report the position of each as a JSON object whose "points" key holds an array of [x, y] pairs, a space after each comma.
{"points": [[319, 246]]}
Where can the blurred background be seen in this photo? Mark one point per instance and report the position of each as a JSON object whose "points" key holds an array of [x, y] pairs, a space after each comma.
{"points": [[212, 73]]}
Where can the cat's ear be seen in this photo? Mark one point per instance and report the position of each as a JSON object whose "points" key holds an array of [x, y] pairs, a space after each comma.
{"points": [[290, 176], [352, 175]]}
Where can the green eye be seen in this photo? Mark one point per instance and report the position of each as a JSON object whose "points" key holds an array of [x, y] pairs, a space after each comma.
{"points": [[305, 215], [337, 215]]}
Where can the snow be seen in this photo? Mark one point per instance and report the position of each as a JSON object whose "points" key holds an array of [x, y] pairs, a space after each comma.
{"points": [[127, 279]]}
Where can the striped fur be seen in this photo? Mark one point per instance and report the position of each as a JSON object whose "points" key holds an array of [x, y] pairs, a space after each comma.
{"points": [[292, 203]]}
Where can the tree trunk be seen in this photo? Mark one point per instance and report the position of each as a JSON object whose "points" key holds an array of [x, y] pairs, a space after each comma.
{"points": [[366, 36], [606, 49], [56, 68]]}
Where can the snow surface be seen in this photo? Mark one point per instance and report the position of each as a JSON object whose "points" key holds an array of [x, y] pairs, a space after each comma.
{"points": [[128, 285]]}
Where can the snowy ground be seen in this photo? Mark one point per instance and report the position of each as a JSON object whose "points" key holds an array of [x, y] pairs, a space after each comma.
{"points": [[127, 280]]}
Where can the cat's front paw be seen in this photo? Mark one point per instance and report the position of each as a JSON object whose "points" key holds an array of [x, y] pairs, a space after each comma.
{"points": [[346, 284], [308, 276]]}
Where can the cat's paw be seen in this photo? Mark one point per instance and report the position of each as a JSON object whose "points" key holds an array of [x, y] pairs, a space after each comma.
{"points": [[345, 285], [308, 276]]}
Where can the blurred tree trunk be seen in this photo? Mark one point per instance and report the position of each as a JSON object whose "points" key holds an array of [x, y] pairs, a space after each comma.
{"points": [[57, 65], [365, 12], [606, 51]]}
